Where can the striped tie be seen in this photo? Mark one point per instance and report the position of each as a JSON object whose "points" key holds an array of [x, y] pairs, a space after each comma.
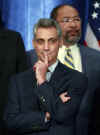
{"points": [[69, 59]]}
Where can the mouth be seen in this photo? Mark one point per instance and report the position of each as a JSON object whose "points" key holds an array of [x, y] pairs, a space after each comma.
{"points": [[47, 54], [43, 56], [73, 33], [72, 36]]}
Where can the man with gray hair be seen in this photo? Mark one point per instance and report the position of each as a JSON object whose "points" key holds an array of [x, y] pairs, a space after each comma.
{"points": [[45, 99]]}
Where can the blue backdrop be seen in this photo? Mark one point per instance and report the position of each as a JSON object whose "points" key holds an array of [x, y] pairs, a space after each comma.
{"points": [[21, 15]]}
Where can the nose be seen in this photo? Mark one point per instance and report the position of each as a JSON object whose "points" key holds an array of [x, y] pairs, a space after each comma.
{"points": [[46, 46], [72, 24]]}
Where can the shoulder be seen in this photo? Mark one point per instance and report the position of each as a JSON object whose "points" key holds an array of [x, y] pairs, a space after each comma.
{"points": [[71, 73], [72, 79], [90, 51], [11, 39], [31, 52], [9, 33], [23, 76]]}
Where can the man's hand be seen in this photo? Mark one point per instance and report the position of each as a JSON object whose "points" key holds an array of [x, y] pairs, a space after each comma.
{"points": [[64, 97], [41, 68], [47, 116]]}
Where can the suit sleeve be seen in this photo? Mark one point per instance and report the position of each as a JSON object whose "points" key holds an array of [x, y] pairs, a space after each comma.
{"points": [[20, 121], [63, 112], [20, 54]]}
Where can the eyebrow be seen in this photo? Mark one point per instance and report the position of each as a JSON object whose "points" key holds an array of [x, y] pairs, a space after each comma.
{"points": [[53, 38], [48, 39], [71, 17]]}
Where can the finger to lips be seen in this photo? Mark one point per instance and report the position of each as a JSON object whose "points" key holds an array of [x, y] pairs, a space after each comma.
{"points": [[46, 59]]}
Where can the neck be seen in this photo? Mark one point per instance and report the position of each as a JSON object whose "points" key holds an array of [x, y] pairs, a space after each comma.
{"points": [[50, 64], [67, 44]]}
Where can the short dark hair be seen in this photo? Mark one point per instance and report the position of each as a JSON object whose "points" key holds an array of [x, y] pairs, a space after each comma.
{"points": [[47, 23], [54, 12]]}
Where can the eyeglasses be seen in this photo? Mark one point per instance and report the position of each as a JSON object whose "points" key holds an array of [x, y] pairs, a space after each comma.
{"points": [[67, 20]]}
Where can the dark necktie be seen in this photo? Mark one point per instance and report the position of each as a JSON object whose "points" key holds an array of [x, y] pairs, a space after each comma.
{"points": [[48, 76]]}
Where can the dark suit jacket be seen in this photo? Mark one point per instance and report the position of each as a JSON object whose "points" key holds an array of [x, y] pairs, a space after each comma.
{"points": [[12, 61], [95, 119], [91, 67], [27, 103]]}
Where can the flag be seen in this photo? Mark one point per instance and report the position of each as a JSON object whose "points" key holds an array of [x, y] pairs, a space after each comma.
{"points": [[93, 28]]}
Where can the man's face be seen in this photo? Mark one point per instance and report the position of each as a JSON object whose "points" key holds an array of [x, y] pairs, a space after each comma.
{"points": [[47, 43], [70, 23]]}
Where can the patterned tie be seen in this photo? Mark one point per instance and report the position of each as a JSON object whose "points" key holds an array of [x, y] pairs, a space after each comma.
{"points": [[69, 59]]}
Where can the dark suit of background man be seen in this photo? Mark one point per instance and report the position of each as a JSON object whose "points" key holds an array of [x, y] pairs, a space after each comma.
{"points": [[85, 59], [12, 61], [45, 100]]}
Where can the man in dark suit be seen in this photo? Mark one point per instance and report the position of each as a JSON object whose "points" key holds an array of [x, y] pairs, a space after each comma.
{"points": [[45, 100], [95, 119], [12, 61], [85, 59]]}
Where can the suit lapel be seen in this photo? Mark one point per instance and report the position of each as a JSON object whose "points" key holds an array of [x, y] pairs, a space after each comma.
{"points": [[33, 79], [30, 82], [87, 61], [28, 97], [57, 73], [84, 59], [61, 75]]}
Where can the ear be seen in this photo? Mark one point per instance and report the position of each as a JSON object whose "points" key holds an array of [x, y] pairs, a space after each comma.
{"points": [[33, 43], [60, 42]]}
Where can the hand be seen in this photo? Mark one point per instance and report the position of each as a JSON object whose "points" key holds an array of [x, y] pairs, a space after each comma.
{"points": [[41, 70], [47, 116], [64, 97]]}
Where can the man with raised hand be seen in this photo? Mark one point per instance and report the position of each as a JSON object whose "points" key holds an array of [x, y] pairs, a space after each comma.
{"points": [[45, 99]]}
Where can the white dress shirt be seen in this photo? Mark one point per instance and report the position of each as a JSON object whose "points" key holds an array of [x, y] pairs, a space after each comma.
{"points": [[75, 54], [51, 69]]}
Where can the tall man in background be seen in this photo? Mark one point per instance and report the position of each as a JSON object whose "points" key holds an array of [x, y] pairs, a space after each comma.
{"points": [[12, 61], [85, 59]]}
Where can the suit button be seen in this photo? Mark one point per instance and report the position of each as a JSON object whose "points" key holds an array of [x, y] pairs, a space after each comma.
{"points": [[43, 99]]}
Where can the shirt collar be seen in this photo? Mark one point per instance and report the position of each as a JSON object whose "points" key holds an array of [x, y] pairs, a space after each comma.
{"points": [[72, 46], [53, 66]]}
